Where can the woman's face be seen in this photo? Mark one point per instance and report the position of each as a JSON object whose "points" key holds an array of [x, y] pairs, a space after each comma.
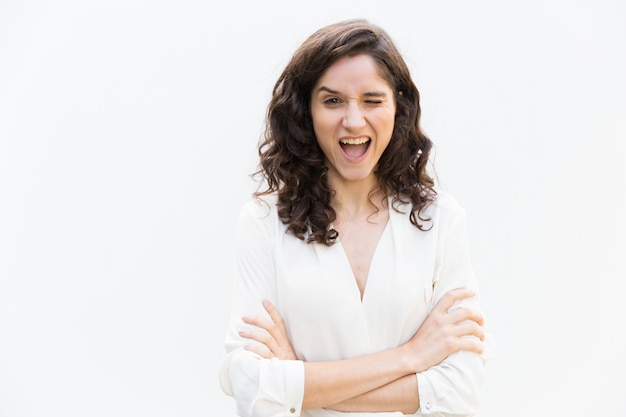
{"points": [[353, 111]]}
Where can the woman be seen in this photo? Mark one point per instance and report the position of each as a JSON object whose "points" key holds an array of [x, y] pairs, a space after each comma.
{"points": [[353, 290]]}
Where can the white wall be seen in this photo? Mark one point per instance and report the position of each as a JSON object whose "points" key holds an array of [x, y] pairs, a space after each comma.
{"points": [[127, 133]]}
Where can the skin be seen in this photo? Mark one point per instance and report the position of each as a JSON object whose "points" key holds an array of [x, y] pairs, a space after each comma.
{"points": [[351, 102], [382, 381]]}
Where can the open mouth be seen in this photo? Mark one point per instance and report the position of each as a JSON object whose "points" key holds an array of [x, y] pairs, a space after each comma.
{"points": [[355, 147]]}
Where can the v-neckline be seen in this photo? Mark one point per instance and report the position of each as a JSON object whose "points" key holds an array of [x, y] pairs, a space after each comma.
{"points": [[372, 264]]}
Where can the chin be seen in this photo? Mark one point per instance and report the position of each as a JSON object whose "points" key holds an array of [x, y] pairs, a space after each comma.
{"points": [[354, 175]]}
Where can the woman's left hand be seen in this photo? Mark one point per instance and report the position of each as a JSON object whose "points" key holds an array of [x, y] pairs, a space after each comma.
{"points": [[270, 333]]}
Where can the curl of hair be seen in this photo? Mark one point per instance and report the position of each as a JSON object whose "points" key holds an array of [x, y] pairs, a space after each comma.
{"points": [[292, 163]]}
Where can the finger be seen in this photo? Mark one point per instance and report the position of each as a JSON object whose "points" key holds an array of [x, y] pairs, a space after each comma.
{"points": [[277, 330], [273, 335], [260, 336], [259, 321], [274, 315], [262, 323], [451, 297], [263, 338], [260, 350], [471, 344], [460, 314], [470, 328]]}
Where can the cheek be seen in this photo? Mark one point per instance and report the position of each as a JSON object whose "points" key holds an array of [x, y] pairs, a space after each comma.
{"points": [[323, 125], [391, 121], [386, 122]]}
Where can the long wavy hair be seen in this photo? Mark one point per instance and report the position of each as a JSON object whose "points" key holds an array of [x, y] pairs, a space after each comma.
{"points": [[292, 163]]}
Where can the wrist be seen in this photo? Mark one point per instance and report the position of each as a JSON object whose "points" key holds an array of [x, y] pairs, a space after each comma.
{"points": [[412, 362]]}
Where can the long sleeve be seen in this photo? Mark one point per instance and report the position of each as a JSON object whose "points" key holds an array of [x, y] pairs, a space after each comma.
{"points": [[451, 388], [261, 387], [314, 289]]}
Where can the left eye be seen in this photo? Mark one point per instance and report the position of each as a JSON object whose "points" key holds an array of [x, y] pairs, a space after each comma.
{"points": [[332, 100]]}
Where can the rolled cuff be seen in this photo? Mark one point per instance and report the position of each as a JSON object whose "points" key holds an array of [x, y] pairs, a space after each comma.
{"points": [[264, 387], [452, 387], [427, 396]]}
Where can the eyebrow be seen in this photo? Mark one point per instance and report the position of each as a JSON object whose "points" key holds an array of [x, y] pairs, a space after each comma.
{"points": [[368, 94]]}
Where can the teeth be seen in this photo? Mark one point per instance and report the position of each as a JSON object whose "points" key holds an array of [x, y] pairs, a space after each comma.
{"points": [[354, 141]]}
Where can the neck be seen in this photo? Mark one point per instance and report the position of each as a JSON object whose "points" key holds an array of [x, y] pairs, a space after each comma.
{"points": [[354, 203], [354, 199]]}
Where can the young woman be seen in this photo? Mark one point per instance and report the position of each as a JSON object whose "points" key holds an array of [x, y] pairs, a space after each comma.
{"points": [[353, 289]]}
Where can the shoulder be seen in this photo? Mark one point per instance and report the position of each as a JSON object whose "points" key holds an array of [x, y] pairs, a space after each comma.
{"points": [[438, 217], [260, 207], [450, 216], [445, 201], [447, 209], [258, 214]]}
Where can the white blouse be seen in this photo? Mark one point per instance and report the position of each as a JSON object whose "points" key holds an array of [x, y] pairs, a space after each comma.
{"points": [[314, 289]]}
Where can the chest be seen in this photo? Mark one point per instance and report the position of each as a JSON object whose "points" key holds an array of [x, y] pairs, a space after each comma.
{"points": [[323, 303], [359, 243]]}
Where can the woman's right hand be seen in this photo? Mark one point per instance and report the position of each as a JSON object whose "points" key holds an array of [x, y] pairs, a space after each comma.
{"points": [[270, 333], [445, 331]]}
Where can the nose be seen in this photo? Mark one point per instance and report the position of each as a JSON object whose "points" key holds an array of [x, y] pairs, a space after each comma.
{"points": [[353, 118]]}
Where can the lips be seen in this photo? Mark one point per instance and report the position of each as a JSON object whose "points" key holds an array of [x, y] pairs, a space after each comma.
{"points": [[355, 148]]}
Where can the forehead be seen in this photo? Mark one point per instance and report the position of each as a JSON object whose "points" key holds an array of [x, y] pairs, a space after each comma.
{"points": [[352, 72]]}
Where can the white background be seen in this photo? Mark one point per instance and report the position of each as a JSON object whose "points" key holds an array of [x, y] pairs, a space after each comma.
{"points": [[127, 133]]}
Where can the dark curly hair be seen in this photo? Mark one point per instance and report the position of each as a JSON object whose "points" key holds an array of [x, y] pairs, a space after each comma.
{"points": [[291, 161]]}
